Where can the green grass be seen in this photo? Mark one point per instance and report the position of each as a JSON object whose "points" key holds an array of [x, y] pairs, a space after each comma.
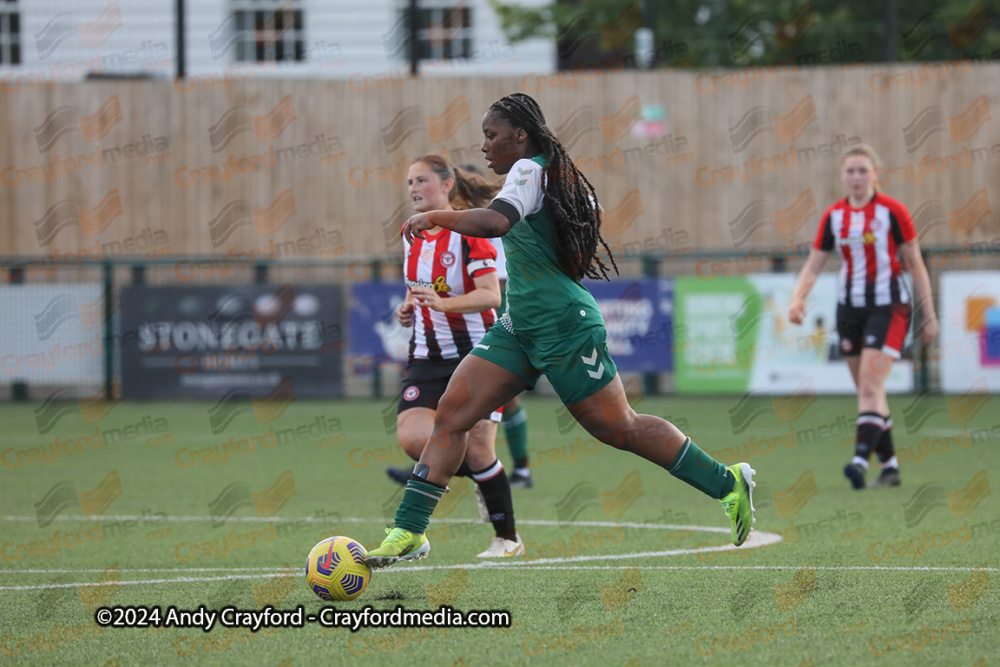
{"points": [[563, 612]]}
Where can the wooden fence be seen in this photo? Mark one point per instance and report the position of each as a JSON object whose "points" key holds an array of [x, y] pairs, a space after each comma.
{"points": [[742, 160]]}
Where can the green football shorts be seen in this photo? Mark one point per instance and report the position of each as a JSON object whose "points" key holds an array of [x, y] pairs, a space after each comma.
{"points": [[578, 365]]}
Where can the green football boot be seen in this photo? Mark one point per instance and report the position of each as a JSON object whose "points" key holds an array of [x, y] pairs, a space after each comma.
{"points": [[399, 544], [739, 503]]}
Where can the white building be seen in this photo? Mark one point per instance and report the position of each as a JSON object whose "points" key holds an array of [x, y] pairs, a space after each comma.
{"points": [[64, 40]]}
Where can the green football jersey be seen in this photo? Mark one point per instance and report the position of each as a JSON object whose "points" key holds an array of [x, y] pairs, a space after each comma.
{"points": [[542, 301]]}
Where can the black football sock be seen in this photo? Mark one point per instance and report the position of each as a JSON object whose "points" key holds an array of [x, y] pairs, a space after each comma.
{"points": [[886, 450], [495, 488], [869, 432], [463, 470]]}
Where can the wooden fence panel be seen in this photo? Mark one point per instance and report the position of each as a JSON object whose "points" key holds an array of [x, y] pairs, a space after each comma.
{"points": [[318, 168]]}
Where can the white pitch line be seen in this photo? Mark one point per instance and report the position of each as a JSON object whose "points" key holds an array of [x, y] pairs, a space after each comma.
{"points": [[178, 580], [148, 569], [151, 518], [941, 431], [535, 522], [757, 539], [416, 568], [353, 519], [280, 574]]}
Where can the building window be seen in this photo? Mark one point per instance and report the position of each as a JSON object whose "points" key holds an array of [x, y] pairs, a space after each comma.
{"points": [[10, 33], [444, 31], [269, 30]]}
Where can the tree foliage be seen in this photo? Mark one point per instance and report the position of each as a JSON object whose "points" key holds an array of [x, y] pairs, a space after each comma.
{"points": [[739, 33]]}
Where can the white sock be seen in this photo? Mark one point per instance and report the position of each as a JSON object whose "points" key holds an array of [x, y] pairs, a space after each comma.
{"points": [[857, 460], [524, 472], [891, 463]]}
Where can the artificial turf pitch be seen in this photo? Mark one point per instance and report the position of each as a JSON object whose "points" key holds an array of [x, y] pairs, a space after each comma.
{"points": [[882, 576]]}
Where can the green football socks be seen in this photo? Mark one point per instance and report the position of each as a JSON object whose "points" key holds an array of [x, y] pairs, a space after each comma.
{"points": [[701, 471], [515, 429], [419, 500]]}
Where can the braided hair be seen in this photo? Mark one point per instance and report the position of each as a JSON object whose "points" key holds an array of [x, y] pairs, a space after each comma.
{"points": [[570, 199]]}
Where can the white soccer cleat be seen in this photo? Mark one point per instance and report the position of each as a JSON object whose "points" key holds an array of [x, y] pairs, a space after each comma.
{"points": [[501, 548]]}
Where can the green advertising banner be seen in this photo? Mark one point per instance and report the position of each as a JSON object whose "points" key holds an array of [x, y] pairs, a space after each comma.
{"points": [[715, 323], [732, 335]]}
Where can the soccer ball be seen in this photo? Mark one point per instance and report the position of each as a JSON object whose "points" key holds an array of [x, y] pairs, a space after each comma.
{"points": [[336, 570]]}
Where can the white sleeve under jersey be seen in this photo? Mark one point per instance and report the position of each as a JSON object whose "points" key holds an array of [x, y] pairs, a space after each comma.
{"points": [[501, 258]]}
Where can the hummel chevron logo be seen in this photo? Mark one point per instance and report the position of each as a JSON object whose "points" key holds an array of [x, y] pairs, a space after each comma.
{"points": [[523, 172], [590, 361]]}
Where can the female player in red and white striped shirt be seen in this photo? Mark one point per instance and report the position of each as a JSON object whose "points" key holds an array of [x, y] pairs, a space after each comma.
{"points": [[873, 309], [452, 294]]}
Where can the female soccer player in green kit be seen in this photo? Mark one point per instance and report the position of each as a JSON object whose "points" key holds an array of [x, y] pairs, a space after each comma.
{"points": [[452, 289], [548, 215]]}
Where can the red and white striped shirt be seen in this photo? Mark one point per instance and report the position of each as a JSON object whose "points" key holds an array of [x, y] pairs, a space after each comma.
{"points": [[868, 239], [447, 262]]}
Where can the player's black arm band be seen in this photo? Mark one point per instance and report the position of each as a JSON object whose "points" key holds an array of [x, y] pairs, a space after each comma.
{"points": [[506, 209]]}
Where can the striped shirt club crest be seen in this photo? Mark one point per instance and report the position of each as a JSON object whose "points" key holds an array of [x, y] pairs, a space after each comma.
{"points": [[868, 239], [448, 263]]}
